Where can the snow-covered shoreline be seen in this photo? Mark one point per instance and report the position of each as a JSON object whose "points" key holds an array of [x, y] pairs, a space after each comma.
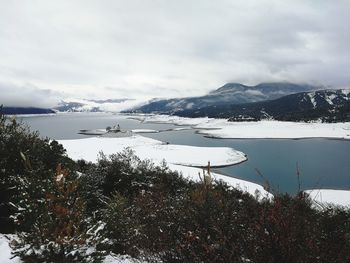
{"points": [[223, 129], [6, 255], [330, 197], [186, 160], [147, 148], [182, 158], [266, 129], [276, 130]]}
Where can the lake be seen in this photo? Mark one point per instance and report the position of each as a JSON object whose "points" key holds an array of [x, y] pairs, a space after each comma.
{"points": [[322, 163]]}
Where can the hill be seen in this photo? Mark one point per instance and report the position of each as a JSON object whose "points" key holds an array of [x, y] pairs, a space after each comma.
{"points": [[327, 105], [24, 110], [66, 211], [231, 93]]}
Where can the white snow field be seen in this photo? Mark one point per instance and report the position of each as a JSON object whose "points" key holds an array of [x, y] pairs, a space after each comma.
{"points": [[144, 131], [266, 129], [276, 130], [167, 119], [7, 257], [196, 175], [5, 250], [330, 196], [181, 158], [157, 151], [121, 259]]}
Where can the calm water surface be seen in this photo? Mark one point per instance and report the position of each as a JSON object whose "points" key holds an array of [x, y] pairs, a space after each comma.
{"points": [[322, 163]]}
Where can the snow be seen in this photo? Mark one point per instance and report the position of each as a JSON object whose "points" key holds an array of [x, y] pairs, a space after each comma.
{"points": [[330, 196], [189, 105], [144, 131], [195, 174], [181, 158], [312, 98], [181, 129], [276, 130], [120, 259], [5, 250], [170, 119], [192, 156], [266, 129], [330, 98], [346, 92], [6, 256], [147, 148]]}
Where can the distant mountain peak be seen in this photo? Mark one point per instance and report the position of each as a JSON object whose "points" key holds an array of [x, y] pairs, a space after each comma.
{"points": [[271, 87], [230, 93], [320, 105], [228, 87]]}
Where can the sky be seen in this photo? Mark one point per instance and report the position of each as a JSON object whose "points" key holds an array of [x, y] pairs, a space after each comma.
{"points": [[51, 50]]}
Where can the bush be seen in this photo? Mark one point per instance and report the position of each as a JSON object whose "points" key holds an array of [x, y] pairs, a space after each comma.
{"points": [[214, 223], [60, 231], [79, 212], [23, 155]]}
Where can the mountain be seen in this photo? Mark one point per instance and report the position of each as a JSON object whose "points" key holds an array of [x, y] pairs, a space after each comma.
{"points": [[85, 105], [231, 93], [24, 110], [327, 105]]}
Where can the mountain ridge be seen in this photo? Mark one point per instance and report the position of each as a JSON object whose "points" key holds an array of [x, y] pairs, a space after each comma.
{"points": [[25, 110], [325, 105], [230, 93]]}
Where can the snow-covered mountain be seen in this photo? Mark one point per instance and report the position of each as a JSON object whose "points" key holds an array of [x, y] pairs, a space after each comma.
{"points": [[326, 105], [327, 98], [231, 93], [109, 105]]}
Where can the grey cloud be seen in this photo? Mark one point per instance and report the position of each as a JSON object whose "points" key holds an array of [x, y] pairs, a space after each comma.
{"points": [[27, 96], [172, 48]]}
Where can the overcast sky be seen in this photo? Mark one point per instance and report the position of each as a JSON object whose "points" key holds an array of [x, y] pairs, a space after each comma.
{"points": [[166, 48]]}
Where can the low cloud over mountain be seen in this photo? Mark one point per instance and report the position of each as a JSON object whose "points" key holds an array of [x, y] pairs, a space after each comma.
{"points": [[27, 96]]}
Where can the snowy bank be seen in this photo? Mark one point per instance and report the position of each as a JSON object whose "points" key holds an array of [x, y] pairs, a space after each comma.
{"points": [[167, 119], [147, 148], [178, 157], [266, 129], [196, 175], [330, 196], [5, 250], [144, 131], [7, 257], [275, 130]]}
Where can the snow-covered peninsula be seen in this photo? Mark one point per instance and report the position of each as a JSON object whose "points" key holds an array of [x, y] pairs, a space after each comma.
{"points": [[157, 151], [267, 129], [182, 158]]}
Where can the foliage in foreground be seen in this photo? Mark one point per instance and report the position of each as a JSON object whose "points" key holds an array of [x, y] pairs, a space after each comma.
{"points": [[79, 212], [26, 164]]}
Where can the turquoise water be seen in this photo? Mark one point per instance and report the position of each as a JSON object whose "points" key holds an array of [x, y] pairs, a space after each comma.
{"points": [[322, 163]]}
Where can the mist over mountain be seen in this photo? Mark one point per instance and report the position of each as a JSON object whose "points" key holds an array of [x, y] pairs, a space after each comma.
{"points": [[231, 93], [91, 105], [324, 105], [233, 101]]}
